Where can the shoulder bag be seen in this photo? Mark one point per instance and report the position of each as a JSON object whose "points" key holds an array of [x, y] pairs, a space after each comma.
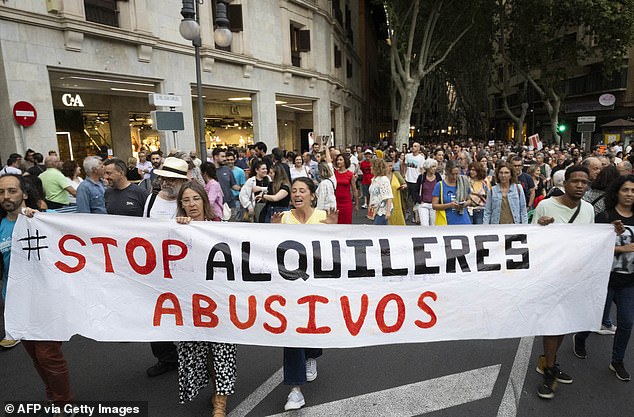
{"points": [[441, 215]]}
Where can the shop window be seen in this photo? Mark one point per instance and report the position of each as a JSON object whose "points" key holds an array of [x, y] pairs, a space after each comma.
{"points": [[300, 42], [102, 11], [80, 134], [142, 134]]}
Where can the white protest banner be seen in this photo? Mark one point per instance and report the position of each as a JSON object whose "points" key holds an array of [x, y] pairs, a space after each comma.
{"points": [[133, 279]]}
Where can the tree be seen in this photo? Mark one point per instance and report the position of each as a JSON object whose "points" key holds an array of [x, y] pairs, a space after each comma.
{"points": [[468, 69], [543, 39], [422, 33]]}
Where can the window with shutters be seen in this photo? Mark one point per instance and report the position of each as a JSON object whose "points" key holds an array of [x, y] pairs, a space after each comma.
{"points": [[234, 15], [102, 11], [337, 57], [300, 42]]}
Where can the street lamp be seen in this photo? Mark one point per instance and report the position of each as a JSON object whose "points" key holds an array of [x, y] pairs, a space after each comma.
{"points": [[190, 29]]}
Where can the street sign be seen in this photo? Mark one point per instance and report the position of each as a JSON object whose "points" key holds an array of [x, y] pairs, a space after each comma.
{"points": [[586, 119], [585, 127], [165, 100], [24, 113], [168, 120]]}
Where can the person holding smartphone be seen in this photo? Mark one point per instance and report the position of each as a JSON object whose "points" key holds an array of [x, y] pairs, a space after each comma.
{"points": [[452, 195]]}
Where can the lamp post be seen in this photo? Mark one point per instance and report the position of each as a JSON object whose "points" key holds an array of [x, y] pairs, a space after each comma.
{"points": [[190, 29]]}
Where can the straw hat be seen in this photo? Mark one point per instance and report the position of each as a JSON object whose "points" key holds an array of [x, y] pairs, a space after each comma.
{"points": [[173, 168]]}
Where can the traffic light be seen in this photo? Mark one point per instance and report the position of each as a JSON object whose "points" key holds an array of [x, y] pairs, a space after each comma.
{"points": [[561, 127]]}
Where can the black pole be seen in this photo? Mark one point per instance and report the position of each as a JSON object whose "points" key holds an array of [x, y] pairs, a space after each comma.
{"points": [[199, 92]]}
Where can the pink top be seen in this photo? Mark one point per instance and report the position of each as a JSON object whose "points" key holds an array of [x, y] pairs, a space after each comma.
{"points": [[214, 192]]}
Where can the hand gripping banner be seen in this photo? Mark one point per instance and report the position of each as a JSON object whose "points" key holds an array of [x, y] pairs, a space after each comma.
{"points": [[114, 278]]}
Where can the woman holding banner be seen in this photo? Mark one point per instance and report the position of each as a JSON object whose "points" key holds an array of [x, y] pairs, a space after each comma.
{"points": [[193, 375], [505, 202], [619, 201], [300, 364]]}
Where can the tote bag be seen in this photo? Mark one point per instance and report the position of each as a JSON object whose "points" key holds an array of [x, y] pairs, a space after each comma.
{"points": [[441, 215]]}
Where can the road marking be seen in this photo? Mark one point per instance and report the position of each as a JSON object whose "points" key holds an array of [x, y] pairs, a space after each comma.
{"points": [[258, 395], [513, 392], [412, 399]]}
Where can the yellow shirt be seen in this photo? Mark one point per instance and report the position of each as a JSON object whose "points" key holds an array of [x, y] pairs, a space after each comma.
{"points": [[315, 218]]}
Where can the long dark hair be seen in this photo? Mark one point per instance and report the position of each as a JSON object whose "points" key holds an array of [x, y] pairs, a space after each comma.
{"points": [[198, 189], [612, 193], [279, 178], [605, 177]]}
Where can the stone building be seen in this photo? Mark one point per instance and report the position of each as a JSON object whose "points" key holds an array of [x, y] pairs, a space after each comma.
{"points": [[293, 69]]}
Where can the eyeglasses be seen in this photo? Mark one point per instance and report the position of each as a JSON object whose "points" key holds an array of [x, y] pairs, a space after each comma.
{"points": [[194, 200]]}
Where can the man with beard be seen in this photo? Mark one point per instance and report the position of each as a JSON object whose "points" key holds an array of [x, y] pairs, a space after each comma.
{"points": [[122, 197], [172, 175], [225, 176], [162, 205], [47, 356], [152, 183]]}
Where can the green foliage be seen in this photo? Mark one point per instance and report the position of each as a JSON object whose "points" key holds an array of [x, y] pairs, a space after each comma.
{"points": [[553, 35]]}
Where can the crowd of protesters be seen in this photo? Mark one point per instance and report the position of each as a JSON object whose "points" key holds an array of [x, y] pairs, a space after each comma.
{"points": [[459, 182]]}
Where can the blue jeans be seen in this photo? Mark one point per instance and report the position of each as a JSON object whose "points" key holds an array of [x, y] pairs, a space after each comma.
{"points": [[295, 364], [272, 209], [478, 217], [624, 299], [380, 220]]}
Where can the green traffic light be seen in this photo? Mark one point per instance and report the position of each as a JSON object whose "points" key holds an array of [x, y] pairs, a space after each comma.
{"points": [[562, 128]]}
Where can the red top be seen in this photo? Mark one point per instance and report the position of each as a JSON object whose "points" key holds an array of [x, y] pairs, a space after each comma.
{"points": [[342, 192], [366, 168]]}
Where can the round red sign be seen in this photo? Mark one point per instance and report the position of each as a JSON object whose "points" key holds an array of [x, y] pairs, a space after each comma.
{"points": [[24, 113]]}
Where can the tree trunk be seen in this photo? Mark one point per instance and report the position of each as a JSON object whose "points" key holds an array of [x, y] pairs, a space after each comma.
{"points": [[405, 112]]}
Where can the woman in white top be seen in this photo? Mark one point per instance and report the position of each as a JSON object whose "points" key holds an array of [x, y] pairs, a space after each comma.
{"points": [[325, 193], [380, 193], [298, 169], [71, 170]]}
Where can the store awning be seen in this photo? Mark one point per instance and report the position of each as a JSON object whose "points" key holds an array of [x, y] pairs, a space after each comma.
{"points": [[619, 123]]}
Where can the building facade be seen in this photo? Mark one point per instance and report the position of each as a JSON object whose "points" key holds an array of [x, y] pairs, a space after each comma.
{"points": [[293, 71]]}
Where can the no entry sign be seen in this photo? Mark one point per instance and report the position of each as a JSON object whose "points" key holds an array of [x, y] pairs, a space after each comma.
{"points": [[24, 113]]}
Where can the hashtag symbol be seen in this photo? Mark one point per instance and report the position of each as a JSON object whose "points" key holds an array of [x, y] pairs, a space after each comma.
{"points": [[30, 248]]}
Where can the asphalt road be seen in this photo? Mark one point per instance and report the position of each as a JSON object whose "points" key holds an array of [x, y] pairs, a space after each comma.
{"points": [[464, 378]]}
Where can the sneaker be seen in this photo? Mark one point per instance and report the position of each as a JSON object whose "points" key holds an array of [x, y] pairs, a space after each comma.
{"points": [[295, 400], [611, 329], [579, 347], [311, 369], [8, 343], [364, 206], [620, 371], [160, 368], [560, 376], [546, 390]]}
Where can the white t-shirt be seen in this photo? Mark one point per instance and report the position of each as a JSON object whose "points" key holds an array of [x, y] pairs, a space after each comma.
{"points": [[562, 214], [354, 165], [10, 170], [414, 163], [147, 165], [299, 172], [161, 209]]}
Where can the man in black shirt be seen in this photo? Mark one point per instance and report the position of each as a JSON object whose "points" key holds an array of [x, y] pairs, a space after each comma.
{"points": [[122, 197]]}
